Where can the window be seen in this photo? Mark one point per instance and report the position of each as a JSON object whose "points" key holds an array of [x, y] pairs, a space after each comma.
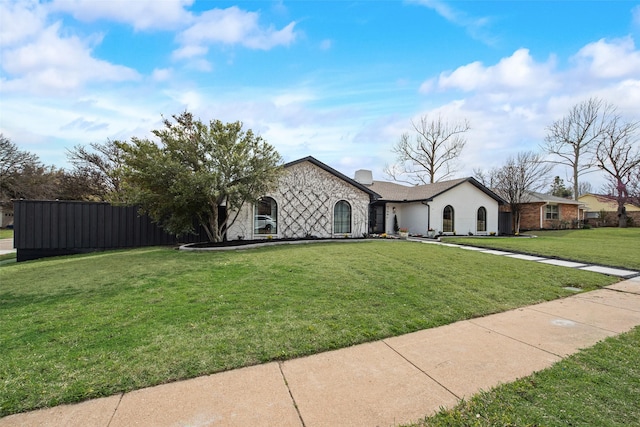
{"points": [[481, 224], [551, 212], [447, 219], [266, 216], [342, 217]]}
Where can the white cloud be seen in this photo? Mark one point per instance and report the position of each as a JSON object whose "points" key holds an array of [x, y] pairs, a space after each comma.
{"points": [[615, 59], [51, 63], [518, 72], [510, 103], [477, 27], [141, 14], [20, 20], [232, 26], [161, 74], [190, 51]]}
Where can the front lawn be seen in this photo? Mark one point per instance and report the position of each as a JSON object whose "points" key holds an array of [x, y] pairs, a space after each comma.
{"points": [[616, 247], [6, 233], [80, 327], [599, 386]]}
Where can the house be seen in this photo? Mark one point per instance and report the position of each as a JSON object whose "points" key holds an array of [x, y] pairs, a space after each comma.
{"points": [[459, 206], [313, 199], [602, 209], [544, 211], [6, 217]]}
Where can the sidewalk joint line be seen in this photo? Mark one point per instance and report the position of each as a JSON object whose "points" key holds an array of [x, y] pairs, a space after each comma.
{"points": [[115, 410], [622, 291], [293, 399], [421, 370], [582, 296], [515, 339]]}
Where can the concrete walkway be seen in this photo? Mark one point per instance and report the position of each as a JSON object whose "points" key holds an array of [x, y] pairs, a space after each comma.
{"points": [[383, 383], [611, 271]]}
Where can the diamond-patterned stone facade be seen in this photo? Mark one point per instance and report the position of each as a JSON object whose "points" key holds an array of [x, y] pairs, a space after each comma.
{"points": [[306, 196]]}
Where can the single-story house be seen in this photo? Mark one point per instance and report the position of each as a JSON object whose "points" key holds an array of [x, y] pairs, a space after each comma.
{"points": [[312, 199], [459, 206], [544, 211], [603, 209]]}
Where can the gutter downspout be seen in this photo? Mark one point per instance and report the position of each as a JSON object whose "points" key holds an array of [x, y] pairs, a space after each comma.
{"points": [[542, 214], [426, 203]]}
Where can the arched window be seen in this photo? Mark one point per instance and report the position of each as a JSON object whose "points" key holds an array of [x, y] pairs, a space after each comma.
{"points": [[481, 224], [342, 217], [447, 219], [265, 216]]}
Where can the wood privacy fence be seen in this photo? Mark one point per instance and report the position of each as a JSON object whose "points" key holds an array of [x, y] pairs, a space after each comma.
{"points": [[51, 228]]}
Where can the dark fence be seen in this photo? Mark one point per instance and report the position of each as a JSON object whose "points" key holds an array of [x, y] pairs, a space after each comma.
{"points": [[505, 226], [51, 228]]}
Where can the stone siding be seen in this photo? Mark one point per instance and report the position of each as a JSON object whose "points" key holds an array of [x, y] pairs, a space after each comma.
{"points": [[306, 196]]}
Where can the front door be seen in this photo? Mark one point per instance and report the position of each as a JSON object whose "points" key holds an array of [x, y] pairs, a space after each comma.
{"points": [[376, 219]]}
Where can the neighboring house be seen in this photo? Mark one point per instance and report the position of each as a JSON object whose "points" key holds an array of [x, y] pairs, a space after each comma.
{"points": [[459, 206], [603, 210], [6, 217], [315, 200], [310, 200], [544, 211]]}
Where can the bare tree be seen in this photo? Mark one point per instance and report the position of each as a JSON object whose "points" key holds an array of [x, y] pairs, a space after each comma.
{"points": [[16, 166], [618, 154], [584, 187], [515, 181], [431, 156], [571, 139], [98, 167]]}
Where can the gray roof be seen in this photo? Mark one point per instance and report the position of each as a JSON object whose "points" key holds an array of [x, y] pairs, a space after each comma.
{"points": [[393, 192], [534, 197]]}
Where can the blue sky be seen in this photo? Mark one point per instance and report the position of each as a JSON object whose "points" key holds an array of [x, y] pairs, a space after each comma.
{"points": [[337, 80]]}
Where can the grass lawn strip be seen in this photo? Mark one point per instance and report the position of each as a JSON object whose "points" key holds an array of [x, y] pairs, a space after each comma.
{"points": [[87, 326], [613, 247], [599, 386]]}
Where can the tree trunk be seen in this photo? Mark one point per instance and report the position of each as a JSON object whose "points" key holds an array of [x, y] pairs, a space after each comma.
{"points": [[622, 216]]}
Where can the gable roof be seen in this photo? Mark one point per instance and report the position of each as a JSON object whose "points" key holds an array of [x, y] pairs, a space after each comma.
{"points": [[607, 200], [534, 197], [393, 192], [337, 174]]}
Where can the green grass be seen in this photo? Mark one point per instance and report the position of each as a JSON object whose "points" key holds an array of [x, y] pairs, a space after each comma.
{"points": [[6, 234], [87, 326], [617, 247], [599, 386]]}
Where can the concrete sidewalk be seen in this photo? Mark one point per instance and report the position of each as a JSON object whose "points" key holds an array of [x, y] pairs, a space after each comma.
{"points": [[6, 246], [383, 383]]}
